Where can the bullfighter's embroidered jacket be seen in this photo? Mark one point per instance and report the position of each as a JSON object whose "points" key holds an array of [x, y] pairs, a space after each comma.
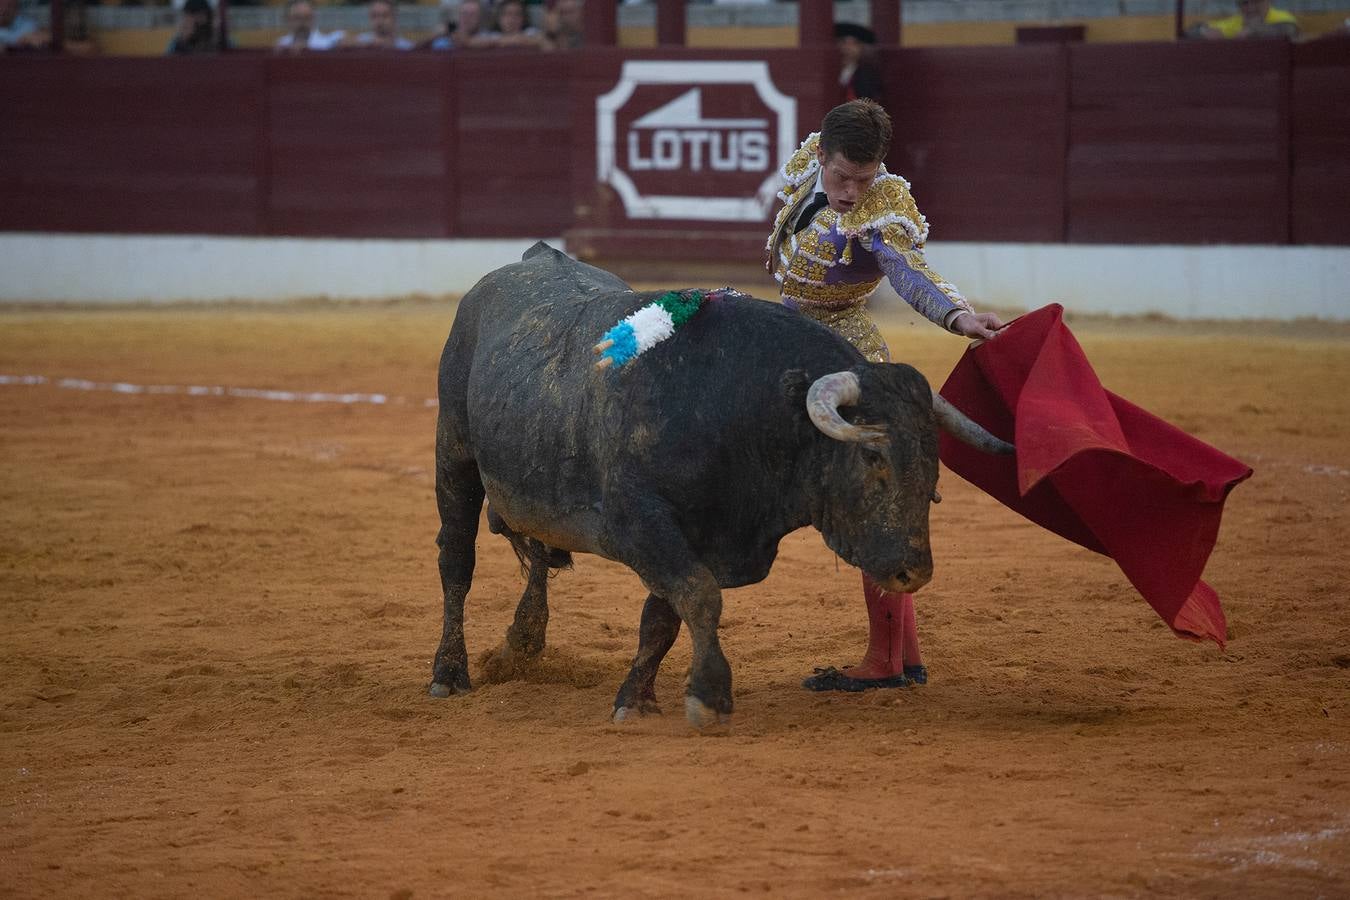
{"points": [[828, 268]]}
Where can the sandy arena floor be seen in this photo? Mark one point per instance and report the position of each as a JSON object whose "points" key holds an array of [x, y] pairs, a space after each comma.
{"points": [[217, 615]]}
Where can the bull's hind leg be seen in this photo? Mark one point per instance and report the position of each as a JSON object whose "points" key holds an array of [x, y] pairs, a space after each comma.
{"points": [[660, 626], [459, 497], [525, 637], [526, 634]]}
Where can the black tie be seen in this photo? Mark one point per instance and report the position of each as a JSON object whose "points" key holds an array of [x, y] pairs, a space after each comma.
{"points": [[809, 213]]}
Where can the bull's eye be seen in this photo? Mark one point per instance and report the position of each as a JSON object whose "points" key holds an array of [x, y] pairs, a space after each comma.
{"points": [[878, 473]]}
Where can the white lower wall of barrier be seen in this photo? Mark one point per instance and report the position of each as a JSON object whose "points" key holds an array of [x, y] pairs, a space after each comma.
{"points": [[156, 269], [1185, 282]]}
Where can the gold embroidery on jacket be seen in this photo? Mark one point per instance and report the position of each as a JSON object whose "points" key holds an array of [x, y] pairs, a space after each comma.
{"points": [[886, 206], [856, 327], [800, 262]]}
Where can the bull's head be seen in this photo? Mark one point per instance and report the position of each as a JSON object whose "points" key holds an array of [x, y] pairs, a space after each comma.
{"points": [[874, 508]]}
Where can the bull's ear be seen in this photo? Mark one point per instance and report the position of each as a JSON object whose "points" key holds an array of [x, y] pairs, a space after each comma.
{"points": [[794, 384]]}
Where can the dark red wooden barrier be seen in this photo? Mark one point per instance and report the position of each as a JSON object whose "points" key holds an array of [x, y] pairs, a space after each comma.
{"points": [[1179, 143], [980, 134], [358, 146], [130, 145], [1320, 113], [511, 171]]}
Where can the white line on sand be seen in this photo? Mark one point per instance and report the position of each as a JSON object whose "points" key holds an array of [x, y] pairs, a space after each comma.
{"points": [[195, 390]]}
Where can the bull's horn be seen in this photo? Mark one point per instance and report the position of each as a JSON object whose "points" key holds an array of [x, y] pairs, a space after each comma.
{"points": [[961, 427], [829, 392]]}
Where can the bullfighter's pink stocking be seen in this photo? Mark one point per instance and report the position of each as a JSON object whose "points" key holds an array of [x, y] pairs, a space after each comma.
{"points": [[892, 635], [909, 630]]}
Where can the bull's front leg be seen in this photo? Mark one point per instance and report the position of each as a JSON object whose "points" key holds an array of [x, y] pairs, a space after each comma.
{"points": [[651, 542], [660, 626], [699, 603]]}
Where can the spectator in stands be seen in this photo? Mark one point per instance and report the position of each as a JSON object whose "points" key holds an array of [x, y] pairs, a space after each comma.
{"points": [[441, 39], [859, 74], [513, 28], [1255, 19], [19, 32], [563, 29], [383, 33], [196, 30], [303, 35], [77, 40], [468, 29]]}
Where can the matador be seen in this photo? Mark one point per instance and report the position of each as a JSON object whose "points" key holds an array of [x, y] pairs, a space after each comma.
{"points": [[845, 224]]}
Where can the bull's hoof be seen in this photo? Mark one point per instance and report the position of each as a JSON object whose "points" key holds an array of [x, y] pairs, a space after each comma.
{"points": [[702, 716], [449, 676], [506, 663], [630, 713], [498, 665]]}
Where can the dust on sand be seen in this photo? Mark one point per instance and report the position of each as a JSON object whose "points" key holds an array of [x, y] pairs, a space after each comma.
{"points": [[217, 615]]}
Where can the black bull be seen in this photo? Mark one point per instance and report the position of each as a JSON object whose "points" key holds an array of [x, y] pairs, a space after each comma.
{"points": [[688, 465]]}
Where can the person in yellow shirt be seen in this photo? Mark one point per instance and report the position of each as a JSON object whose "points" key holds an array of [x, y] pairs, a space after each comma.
{"points": [[1255, 19]]}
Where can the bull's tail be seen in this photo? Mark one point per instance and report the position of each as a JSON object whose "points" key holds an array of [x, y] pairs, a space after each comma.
{"points": [[529, 552]]}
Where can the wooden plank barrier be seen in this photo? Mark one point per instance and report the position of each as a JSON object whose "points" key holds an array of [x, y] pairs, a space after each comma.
{"points": [[130, 145], [980, 134], [1179, 143], [1320, 136], [1238, 142], [512, 167], [357, 145]]}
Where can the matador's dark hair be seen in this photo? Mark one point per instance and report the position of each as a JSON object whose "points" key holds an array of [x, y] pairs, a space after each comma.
{"points": [[859, 129]]}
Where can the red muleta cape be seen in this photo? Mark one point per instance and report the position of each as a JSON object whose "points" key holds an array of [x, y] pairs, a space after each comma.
{"points": [[1094, 468]]}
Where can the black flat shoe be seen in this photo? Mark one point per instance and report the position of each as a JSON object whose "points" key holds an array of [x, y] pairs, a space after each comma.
{"points": [[831, 679]]}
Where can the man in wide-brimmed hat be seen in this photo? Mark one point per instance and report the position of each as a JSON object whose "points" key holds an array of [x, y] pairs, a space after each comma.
{"points": [[859, 74]]}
